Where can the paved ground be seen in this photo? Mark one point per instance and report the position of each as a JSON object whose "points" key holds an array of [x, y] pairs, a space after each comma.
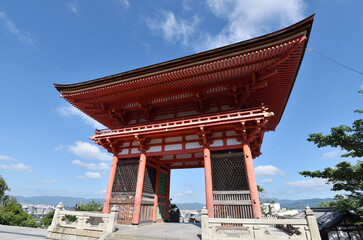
{"points": [[21, 233], [182, 231], [187, 231]]}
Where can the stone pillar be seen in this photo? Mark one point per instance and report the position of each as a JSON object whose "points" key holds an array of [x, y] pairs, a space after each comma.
{"points": [[139, 188], [155, 208], [208, 182], [106, 205], [55, 216], [312, 224], [205, 230], [251, 178], [111, 226]]}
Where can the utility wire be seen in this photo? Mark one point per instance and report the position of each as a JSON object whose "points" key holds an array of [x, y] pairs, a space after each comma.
{"points": [[340, 64]]}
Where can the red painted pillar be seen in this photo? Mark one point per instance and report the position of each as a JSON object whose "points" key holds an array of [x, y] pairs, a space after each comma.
{"points": [[251, 178], [155, 208], [139, 188], [208, 182], [106, 205], [167, 196]]}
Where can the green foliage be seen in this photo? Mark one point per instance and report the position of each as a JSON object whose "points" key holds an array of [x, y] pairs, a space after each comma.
{"points": [[345, 175], [345, 137], [47, 219], [260, 189], [11, 213], [173, 208], [270, 201], [91, 206], [70, 218], [3, 188], [327, 204]]}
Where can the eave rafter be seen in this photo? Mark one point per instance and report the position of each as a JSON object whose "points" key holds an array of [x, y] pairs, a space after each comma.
{"points": [[207, 70], [241, 90]]}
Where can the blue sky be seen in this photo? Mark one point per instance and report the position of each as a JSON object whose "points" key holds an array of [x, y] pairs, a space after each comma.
{"points": [[44, 146]]}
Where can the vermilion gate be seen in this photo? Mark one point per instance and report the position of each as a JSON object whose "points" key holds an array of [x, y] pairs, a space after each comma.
{"points": [[208, 110]]}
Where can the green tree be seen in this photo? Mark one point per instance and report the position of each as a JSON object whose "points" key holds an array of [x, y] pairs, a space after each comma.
{"points": [[3, 188], [345, 176], [173, 208], [327, 204], [47, 219], [11, 213], [91, 206]]}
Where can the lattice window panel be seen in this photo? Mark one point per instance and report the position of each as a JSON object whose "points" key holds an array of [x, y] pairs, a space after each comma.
{"points": [[149, 180], [126, 176], [228, 172]]}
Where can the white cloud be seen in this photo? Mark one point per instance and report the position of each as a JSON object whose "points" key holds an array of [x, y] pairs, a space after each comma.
{"points": [[186, 193], [267, 180], [69, 111], [125, 3], [361, 86], [59, 147], [81, 177], [10, 26], [72, 6], [244, 19], [250, 18], [92, 166], [88, 151], [268, 170], [174, 30], [332, 154], [93, 175], [314, 184], [187, 5], [6, 158], [102, 192], [45, 181], [17, 167]]}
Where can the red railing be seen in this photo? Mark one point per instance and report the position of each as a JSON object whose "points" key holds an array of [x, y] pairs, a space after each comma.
{"points": [[205, 120]]}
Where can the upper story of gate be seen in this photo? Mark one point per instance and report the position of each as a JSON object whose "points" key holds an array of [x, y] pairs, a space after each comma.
{"points": [[254, 74]]}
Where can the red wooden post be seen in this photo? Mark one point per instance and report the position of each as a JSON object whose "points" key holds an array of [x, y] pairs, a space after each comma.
{"points": [[208, 182], [155, 208], [106, 205], [139, 188], [251, 178], [167, 196]]}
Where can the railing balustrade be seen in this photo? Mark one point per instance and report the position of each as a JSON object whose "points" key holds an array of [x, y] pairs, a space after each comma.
{"points": [[258, 229], [90, 225]]}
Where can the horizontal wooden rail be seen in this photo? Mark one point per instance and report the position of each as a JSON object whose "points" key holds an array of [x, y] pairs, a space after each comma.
{"points": [[213, 119]]}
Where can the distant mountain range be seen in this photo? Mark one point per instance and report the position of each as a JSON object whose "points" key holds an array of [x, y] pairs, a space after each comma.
{"points": [[301, 203], [47, 200], [72, 201]]}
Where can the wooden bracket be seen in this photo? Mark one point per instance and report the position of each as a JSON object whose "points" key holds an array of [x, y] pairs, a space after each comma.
{"points": [[142, 142], [204, 135]]}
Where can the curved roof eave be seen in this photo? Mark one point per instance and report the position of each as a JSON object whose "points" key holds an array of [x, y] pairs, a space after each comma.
{"points": [[210, 54]]}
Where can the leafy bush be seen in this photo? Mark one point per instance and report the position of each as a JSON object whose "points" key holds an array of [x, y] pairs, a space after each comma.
{"points": [[11, 213]]}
